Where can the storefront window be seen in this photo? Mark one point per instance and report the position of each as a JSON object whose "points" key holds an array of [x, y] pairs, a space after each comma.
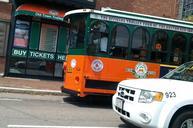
{"points": [[58, 70], [48, 38], [21, 34], [17, 66], [39, 67]]}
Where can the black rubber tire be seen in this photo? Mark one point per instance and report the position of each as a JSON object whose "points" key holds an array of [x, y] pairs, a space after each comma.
{"points": [[128, 124], [178, 121]]}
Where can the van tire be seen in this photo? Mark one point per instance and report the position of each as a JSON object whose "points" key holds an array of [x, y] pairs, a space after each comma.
{"points": [[181, 119], [127, 123]]}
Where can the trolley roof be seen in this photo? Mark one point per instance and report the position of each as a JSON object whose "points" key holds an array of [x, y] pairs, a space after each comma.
{"points": [[130, 15]]}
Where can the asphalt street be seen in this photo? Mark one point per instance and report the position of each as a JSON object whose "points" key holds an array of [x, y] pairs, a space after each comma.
{"points": [[36, 111]]}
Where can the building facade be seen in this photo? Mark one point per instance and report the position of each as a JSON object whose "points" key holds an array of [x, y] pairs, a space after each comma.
{"points": [[38, 35], [5, 16], [38, 38], [163, 8], [185, 9]]}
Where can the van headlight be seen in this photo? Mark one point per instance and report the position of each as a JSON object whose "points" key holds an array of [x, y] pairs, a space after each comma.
{"points": [[150, 96]]}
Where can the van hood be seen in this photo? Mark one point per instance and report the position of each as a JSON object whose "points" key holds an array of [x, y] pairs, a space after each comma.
{"points": [[156, 84]]}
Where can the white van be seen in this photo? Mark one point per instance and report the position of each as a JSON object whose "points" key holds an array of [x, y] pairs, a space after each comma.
{"points": [[157, 103]]}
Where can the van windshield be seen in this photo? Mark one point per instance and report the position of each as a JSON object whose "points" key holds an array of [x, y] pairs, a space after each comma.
{"points": [[183, 72]]}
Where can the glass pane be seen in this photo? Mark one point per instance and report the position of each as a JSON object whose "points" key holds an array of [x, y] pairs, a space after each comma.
{"points": [[191, 50], [140, 39], [77, 32], [39, 67], [98, 38], [17, 66], [120, 41], [178, 41], [58, 70], [159, 47], [21, 34], [121, 36], [160, 41], [140, 44], [48, 38], [178, 49]]}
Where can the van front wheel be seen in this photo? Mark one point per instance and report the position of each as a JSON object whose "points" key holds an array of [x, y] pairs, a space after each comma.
{"points": [[127, 123], [183, 120]]}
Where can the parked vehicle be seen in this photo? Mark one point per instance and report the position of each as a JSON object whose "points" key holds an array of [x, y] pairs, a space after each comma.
{"points": [[41, 65], [157, 103], [107, 46]]}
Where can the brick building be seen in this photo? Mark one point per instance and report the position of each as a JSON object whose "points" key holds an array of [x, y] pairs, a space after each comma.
{"points": [[186, 10], [5, 16], [163, 8]]}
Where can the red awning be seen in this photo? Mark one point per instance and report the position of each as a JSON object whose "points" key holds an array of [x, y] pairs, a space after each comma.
{"points": [[40, 11]]}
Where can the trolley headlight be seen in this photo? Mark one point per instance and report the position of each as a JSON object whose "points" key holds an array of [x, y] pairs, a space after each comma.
{"points": [[150, 96], [73, 63]]}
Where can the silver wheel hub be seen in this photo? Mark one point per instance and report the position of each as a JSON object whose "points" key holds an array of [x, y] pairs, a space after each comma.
{"points": [[187, 124]]}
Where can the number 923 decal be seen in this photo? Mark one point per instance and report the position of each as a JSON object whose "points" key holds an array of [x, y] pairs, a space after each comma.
{"points": [[170, 94]]}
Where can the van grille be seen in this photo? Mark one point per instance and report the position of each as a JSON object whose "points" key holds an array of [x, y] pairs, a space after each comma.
{"points": [[122, 111], [125, 93]]}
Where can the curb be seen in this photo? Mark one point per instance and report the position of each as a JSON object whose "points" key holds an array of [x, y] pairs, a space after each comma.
{"points": [[31, 91]]}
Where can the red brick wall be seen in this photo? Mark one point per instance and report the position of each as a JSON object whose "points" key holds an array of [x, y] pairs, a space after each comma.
{"points": [[5, 14], [164, 8], [5, 11], [2, 64], [116, 4]]}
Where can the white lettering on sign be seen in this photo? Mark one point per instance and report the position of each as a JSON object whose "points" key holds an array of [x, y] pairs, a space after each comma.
{"points": [[61, 57], [41, 55], [17, 52], [144, 23]]}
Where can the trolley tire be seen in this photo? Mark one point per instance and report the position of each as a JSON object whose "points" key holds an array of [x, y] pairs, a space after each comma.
{"points": [[178, 121]]}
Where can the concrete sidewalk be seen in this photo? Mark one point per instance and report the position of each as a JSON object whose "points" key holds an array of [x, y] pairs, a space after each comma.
{"points": [[31, 86]]}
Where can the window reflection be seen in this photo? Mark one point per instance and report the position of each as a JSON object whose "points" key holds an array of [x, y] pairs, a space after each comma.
{"points": [[191, 50], [21, 33], [159, 49], [98, 38], [178, 49], [77, 32], [17, 65], [120, 42], [58, 70], [38, 67], [140, 43], [140, 39], [48, 38]]}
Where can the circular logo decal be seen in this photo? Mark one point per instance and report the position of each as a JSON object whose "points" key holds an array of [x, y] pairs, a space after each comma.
{"points": [[97, 65], [141, 70]]}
